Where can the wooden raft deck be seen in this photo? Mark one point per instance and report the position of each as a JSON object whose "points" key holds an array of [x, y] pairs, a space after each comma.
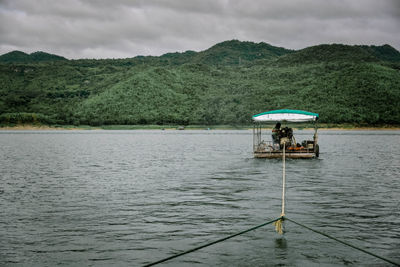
{"points": [[306, 154]]}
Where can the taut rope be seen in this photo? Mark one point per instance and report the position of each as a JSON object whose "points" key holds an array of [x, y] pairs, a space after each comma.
{"points": [[279, 224]]}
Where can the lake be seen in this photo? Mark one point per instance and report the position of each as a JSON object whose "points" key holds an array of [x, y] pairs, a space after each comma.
{"points": [[128, 198]]}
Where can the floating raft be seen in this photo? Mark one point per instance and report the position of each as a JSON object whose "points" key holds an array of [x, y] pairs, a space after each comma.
{"points": [[267, 149]]}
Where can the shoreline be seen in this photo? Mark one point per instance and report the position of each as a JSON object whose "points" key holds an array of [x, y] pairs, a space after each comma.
{"points": [[30, 127]]}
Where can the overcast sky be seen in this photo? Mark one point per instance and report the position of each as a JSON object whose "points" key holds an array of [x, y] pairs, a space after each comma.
{"points": [[127, 28]]}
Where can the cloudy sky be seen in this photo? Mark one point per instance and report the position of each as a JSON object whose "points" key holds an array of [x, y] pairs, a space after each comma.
{"points": [[127, 28]]}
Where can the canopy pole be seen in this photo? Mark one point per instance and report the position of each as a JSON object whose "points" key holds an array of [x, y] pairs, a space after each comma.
{"points": [[315, 134], [254, 138]]}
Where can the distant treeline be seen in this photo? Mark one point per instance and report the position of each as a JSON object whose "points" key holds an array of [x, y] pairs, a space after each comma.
{"points": [[225, 84]]}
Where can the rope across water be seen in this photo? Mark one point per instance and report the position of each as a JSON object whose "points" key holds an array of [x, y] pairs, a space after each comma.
{"points": [[278, 227], [266, 223], [212, 243], [345, 243]]}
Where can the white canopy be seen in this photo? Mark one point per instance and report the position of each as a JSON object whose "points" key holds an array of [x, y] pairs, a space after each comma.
{"points": [[290, 115]]}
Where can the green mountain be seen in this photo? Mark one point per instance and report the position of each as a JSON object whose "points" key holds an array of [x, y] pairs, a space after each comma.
{"points": [[384, 52], [225, 84], [21, 57], [231, 53], [15, 56], [339, 53], [235, 53]]}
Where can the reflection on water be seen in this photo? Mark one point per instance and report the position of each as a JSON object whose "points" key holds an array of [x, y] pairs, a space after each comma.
{"points": [[281, 248], [133, 197]]}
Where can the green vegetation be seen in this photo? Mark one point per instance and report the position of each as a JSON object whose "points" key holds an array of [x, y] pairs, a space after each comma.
{"points": [[21, 57], [225, 84]]}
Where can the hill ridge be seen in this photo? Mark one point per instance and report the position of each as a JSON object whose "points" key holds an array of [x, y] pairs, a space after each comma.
{"points": [[17, 56], [235, 52], [340, 52]]}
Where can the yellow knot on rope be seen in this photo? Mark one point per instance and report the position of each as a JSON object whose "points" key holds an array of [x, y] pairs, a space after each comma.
{"points": [[279, 225]]}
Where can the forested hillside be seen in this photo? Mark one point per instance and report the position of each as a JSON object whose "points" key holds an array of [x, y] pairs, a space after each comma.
{"points": [[21, 57], [225, 84]]}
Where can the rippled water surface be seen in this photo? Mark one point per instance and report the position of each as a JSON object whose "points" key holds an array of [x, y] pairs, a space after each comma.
{"points": [[127, 198]]}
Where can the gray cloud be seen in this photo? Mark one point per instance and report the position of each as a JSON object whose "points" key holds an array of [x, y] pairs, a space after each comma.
{"points": [[127, 28]]}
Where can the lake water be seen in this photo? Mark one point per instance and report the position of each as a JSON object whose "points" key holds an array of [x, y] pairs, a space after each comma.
{"points": [[127, 198]]}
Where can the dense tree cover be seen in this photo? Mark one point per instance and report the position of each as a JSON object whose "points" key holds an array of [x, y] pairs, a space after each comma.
{"points": [[225, 84], [18, 56]]}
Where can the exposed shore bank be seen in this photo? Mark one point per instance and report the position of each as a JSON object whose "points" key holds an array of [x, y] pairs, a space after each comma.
{"points": [[321, 127]]}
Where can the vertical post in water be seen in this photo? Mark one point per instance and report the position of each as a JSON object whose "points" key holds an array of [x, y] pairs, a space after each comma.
{"points": [[283, 180]]}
